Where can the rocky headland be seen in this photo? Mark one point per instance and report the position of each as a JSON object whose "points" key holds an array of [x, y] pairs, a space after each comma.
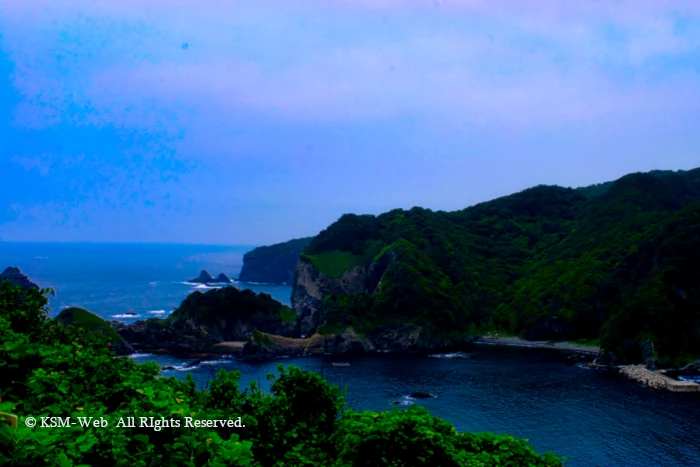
{"points": [[273, 264], [550, 264]]}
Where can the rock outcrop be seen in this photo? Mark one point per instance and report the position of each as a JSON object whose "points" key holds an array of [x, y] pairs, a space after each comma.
{"points": [[15, 276], [203, 278], [206, 278], [263, 346], [204, 320], [311, 286], [222, 279]]}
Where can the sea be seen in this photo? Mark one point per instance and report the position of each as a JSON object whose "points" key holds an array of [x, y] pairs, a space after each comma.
{"points": [[591, 417]]}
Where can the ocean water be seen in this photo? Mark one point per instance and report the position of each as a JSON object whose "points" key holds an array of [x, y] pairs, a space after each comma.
{"points": [[112, 280], [593, 418]]}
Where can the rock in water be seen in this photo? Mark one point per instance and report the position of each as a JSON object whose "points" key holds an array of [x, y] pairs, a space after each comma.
{"points": [[203, 320], [204, 278], [15, 276], [222, 278]]}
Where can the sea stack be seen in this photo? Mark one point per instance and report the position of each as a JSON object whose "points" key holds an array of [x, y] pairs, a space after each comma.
{"points": [[15, 276], [204, 278], [222, 278]]}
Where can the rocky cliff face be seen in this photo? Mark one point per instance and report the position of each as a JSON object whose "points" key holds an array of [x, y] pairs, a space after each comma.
{"points": [[311, 286], [273, 264], [15, 276]]}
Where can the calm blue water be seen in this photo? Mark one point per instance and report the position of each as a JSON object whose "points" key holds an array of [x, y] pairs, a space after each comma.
{"points": [[114, 279], [593, 419]]}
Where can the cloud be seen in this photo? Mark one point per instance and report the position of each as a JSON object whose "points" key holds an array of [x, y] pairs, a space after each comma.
{"points": [[474, 63]]}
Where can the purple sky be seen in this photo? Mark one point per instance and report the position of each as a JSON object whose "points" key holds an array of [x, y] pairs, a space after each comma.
{"points": [[254, 122]]}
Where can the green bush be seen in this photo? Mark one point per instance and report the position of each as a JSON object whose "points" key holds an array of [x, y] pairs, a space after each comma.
{"points": [[50, 370]]}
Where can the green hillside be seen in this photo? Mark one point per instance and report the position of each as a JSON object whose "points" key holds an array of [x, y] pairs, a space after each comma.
{"points": [[93, 324], [613, 262]]}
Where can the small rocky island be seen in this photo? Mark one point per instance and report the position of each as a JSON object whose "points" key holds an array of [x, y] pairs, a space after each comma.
{"points": [[223, 317], [15, 276], [206, 278]]}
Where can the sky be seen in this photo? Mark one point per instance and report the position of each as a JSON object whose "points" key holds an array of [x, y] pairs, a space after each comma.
{"points": [[241, 122]]}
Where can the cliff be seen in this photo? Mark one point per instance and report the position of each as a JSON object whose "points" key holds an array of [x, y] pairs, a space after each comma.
{"points": [[274, 264], [206, 319], [15, 276], [612, 262]]}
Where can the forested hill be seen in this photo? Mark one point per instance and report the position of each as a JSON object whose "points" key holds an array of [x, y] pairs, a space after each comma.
{"points": [[273, 264], [617, 261]]}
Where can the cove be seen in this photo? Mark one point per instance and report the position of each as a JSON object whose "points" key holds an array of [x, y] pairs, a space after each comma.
{"points": [[593, 418]]}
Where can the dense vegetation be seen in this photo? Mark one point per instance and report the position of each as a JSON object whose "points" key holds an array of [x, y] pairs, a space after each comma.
{"points": [[231, 303], [273, 264], [53, 370], [616, 262], [205, 319], [92, 324]]}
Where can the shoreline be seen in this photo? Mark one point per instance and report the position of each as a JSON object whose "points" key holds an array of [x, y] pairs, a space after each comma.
{"points": [[234, 349], [519, 342]]}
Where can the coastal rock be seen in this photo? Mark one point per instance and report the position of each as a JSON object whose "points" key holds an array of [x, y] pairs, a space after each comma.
{"points": [[204, 320], [222, 279], [406, 338], [403, 338], [206, 278], [311, 286], [203, 278], [15, 276], [273, 264], [348, 342], [264, 346]]}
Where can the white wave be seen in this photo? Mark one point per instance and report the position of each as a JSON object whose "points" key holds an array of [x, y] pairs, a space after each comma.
{"points": [[153, 283], [41, 257], [404, 401], [157, 312], [451, 355], [140, 355], [205, 286], [214, 362], [264, 283], [126, 316]]}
